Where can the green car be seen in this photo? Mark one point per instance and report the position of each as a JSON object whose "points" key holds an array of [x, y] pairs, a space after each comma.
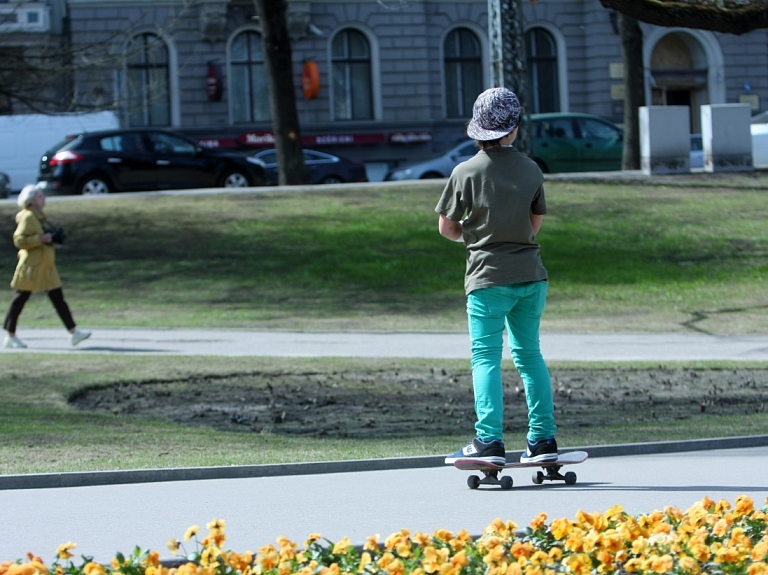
{"points": [[562, 142]]}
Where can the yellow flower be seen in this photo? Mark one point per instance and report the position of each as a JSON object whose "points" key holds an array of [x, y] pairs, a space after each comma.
{"points": [[396, 567], [443, 535], [720, 528], [173, 545], [63, 550], [662, 564], [385, 559], [559, 527], [585, 518], [365, 560], [217, 525], [312, 538], [434, 558], [579, 563], [759, 551], [342, 547], [555, 554], [191, 532], [209, 557], [689, 565], [421, 539], [372, 543], [757, 569]]}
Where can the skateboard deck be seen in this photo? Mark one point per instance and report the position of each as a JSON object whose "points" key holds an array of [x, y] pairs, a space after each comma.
{"points": [[550, 470]]}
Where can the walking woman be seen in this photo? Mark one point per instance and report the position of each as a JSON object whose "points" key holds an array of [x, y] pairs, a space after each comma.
{"points": [[36, 269]]}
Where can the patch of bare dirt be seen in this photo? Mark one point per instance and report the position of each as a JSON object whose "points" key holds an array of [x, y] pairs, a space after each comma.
{"points": [[424, 402]]}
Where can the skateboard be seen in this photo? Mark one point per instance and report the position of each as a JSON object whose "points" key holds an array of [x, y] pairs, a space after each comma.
{"points": [[550, 470]]}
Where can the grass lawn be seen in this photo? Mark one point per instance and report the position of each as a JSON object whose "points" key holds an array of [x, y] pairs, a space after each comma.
{"points": [[680, 256]]}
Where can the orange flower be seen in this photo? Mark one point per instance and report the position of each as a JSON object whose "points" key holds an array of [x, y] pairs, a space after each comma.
{"points": [[539, 522]]}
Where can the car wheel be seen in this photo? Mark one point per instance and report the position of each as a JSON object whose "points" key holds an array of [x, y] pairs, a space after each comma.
{"points": [[95, 186], [235, 179], [431, 176], [331, 180]]}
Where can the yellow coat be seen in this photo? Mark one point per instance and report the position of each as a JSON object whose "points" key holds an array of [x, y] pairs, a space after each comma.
{"points": [[36, 270]]}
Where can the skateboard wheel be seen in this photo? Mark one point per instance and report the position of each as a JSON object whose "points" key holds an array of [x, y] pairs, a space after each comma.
{"points": [[473, 481], [570, 478], [506, 482], [537, 477]]}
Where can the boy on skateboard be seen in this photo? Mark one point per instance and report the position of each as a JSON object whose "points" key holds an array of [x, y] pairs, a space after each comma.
{"points": [[494, 203]]}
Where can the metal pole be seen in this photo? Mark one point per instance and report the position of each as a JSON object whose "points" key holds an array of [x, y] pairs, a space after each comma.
{"points": [[496, 40]]}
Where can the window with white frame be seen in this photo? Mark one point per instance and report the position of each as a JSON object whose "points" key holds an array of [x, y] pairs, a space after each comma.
{"points": [[462, 61], [542, 71], [351, 70], [148, 81], [249, 95]]}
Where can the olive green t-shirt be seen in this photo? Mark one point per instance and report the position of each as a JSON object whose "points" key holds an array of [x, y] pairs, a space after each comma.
{"points": [[495, 192]]}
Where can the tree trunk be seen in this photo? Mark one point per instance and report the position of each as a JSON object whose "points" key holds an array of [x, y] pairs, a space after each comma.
{"points": [[634, 89], [282, 96]]}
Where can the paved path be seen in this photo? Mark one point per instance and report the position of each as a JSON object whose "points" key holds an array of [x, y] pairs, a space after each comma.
{"points": [[108, 512], [572, 347], [109, 518]]}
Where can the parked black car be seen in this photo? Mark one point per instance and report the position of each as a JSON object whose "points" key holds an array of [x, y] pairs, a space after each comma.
{"points": [[322, 168], [143, 159], [5, 185]]}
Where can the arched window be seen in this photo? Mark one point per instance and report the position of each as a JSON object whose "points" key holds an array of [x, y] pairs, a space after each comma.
{"points": [[148, 81], [463, 64], [249, 96], [352, 77], [542, 71]]}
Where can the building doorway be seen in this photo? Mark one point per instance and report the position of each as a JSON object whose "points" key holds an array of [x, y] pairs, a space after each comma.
{"points": [[679, 75]]}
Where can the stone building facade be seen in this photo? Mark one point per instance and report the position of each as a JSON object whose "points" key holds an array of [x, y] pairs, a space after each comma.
{"points": [[396, 78]]}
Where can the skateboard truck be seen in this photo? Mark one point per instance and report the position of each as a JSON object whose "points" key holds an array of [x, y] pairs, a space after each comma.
{"points": [[549, 471], [490, 477]]}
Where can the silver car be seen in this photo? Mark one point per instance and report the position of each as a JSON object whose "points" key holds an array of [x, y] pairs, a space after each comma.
{"points": [[440, 167]]}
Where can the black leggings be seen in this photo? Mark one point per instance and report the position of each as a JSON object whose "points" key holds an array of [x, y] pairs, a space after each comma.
{"points": [[20, 299]]}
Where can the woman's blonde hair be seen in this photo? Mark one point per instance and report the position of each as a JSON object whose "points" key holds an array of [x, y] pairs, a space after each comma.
{"points": [[27, 195]]}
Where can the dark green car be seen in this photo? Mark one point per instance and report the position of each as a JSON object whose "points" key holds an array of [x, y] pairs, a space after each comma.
{"points": [[564, 142]]}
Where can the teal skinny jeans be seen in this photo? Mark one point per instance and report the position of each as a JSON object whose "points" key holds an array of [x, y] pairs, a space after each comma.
{"points": [[518, 307]]}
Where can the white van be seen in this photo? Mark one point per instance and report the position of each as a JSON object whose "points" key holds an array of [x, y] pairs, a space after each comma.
{"points": [[24, 138]]}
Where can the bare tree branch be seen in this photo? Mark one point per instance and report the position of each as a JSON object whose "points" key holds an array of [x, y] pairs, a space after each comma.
{"points": [[729, 16]]}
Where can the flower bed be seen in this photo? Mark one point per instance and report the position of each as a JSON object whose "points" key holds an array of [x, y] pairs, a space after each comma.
{"points": [[709, 537]]}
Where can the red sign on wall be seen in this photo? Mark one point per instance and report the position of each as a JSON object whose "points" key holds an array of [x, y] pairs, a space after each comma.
{"points": [[267, 139]]}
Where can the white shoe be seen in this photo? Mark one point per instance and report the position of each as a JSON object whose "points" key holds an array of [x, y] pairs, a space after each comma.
{"points": [[79, 336], [12, 341]]}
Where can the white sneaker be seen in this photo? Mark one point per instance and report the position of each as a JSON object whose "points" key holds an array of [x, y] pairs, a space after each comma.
{"points": [[12, 341], [79, 336]]}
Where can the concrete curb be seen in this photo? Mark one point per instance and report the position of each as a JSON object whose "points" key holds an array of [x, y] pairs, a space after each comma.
{"points": [[93, 478]]}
